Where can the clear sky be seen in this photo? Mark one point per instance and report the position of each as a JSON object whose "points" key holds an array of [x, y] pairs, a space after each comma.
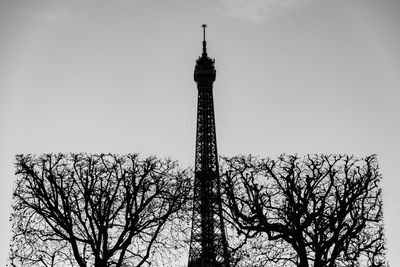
{"points": [[293, 76]]}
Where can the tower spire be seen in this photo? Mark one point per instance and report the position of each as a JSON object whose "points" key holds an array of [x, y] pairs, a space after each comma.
{"points": [[204, 40]]}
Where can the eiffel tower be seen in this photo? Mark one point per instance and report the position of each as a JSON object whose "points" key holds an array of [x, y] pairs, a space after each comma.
{"points": [[208, 246]]}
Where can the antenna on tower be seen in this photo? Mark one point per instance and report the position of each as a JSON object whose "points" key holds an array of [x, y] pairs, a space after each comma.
{"points": [[204, 40]]}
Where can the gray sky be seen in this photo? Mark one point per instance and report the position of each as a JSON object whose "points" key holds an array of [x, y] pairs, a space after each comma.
{"points": [[293, 76]]}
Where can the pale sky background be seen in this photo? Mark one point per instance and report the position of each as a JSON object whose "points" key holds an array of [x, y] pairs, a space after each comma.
{"points": [[293, 76]]}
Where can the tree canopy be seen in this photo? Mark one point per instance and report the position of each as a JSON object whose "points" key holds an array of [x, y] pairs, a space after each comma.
{"points": [[112, 210], [320, 210], [97, 210]]}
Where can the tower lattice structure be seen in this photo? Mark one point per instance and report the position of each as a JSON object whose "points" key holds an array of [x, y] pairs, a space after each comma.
{"points": [[208, 246]]}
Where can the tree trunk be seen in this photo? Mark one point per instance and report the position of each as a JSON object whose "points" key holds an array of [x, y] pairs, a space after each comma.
{"points": [[303, 261], [100, 263]]}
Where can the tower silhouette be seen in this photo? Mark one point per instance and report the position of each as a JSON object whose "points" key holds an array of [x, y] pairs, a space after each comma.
{"points": [[208, 246]]}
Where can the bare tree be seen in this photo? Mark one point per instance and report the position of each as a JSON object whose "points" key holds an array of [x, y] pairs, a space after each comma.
{"points": [[97, 210], [320, 210]]}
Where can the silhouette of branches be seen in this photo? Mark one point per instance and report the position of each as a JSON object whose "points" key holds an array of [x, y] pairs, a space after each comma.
{"points": [[96, 210], [321, 211]]}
